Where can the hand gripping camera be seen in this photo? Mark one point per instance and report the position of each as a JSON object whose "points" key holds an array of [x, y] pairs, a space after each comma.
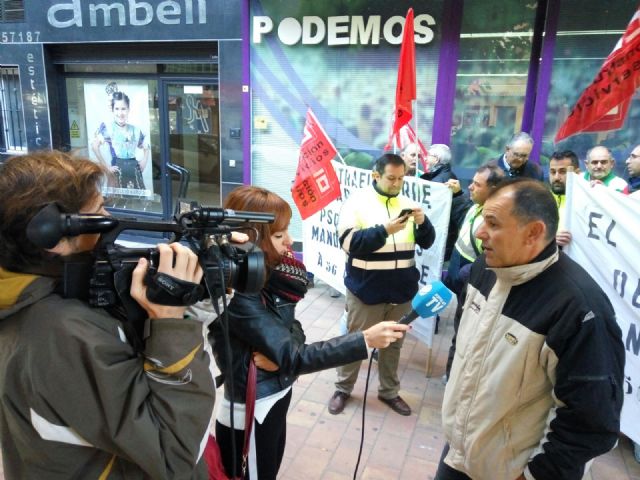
{"points": [[103, 277]]}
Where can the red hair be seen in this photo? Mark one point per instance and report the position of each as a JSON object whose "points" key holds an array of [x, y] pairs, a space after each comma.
{"points": [[258, 199]]}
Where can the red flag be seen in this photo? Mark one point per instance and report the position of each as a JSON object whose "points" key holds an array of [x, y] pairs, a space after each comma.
{"points": [[604, 104], [316, 183], [406, 86]]}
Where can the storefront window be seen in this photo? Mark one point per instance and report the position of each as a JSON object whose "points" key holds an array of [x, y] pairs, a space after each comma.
{"points": [[340, 59], [114, 122], [587, 33], [495, 47], [12, 134], [139, 128], [194, 146]]}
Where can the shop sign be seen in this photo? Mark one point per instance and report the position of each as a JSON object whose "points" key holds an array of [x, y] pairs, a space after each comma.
{"points": [[341, 30]]}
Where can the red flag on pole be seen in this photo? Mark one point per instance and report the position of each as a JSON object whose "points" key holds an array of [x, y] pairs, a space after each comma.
{"points": [[604, 104], [316, 183], [406, 86]]}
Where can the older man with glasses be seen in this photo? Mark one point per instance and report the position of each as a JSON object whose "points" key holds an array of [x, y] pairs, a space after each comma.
{"points": [[515, 160], [600, 165]]}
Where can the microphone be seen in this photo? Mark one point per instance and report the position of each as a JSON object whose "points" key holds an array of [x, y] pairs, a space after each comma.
{"points": [[430, 299], [49, 225]]}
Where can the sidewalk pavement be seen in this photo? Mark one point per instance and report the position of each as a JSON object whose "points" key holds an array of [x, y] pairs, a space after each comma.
{"points": [[321, 446]]}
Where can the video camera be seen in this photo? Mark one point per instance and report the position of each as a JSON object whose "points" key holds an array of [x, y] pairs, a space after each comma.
{"points": [[103, 276]]}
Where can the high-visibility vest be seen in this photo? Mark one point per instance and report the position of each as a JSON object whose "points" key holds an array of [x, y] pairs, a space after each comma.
{"points": [[561, 201], [367, 208], [467, 245]]}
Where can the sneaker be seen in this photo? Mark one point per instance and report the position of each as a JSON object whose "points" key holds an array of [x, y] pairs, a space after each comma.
{"points": [[337, 402], [397, 404]]}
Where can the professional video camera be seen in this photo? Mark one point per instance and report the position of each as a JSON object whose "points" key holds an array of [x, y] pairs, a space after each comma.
{"points": [[103, 276]]}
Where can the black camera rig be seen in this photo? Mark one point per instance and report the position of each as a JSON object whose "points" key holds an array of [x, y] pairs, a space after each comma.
{"points": [[103, 276]]}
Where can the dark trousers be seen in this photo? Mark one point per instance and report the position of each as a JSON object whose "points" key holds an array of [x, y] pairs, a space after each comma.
{"points": [[271, 437], [456, 275], [445, 472]]}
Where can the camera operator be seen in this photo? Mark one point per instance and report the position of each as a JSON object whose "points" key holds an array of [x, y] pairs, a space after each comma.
{"points": [[77, 399]]}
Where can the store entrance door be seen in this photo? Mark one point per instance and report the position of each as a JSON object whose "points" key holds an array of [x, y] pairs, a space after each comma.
{"points": [[192, 146]]}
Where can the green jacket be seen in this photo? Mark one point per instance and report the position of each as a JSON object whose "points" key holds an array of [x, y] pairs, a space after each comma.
{"points": [[78, 402], [611, 180]]}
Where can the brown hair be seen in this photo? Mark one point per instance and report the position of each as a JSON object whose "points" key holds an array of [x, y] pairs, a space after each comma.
{"points": [[28, 183], [257, 199]]}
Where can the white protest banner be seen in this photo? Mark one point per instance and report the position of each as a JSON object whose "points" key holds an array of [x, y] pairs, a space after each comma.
{"points": [[604, 226], [326, 260]]}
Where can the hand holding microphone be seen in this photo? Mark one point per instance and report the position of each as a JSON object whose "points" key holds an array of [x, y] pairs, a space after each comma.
{"points": [[430, 299], [382, 334]]}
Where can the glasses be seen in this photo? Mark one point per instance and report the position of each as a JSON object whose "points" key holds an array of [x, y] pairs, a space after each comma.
{"points": [[519, 155], [599, 162]]}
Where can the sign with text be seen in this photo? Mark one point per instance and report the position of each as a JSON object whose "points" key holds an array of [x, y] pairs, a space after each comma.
{"points": [[604, 225], [79, 21], [35, 101], [321, 247]]}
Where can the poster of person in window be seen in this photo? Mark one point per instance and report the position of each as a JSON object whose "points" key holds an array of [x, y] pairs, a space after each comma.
{"points": [[119, 135]]}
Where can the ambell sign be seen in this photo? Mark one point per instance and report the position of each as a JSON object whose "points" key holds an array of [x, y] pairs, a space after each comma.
{"points": [[129, 13]]}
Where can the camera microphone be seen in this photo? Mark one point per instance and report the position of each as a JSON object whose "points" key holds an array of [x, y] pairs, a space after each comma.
{"points": [[49, 225], [236, 216], [430, 299]]}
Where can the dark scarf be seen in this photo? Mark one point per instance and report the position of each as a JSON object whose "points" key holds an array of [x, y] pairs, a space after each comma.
{"points": [[288, 279], [634, 184]]}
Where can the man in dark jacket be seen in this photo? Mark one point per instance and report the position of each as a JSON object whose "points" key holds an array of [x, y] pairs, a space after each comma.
{"points": [[515, 160], [81, 394], [439, 164], [633, 167]]}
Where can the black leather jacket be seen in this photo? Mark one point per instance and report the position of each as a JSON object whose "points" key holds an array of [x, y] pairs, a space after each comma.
{"points": [[266, 323]]}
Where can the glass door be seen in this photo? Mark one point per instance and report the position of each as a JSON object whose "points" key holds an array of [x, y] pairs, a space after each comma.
{"points": [[193, 143]]}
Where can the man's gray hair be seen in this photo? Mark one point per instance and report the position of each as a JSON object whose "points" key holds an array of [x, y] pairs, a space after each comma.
{"points": [[520, 137], [441, 151]]}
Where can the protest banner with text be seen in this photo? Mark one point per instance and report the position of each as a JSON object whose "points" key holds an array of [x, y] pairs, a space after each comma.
{"points": [[604, 226]]}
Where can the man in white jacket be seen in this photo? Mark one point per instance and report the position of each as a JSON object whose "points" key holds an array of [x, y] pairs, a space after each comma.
{"points": [[536, 384]]}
